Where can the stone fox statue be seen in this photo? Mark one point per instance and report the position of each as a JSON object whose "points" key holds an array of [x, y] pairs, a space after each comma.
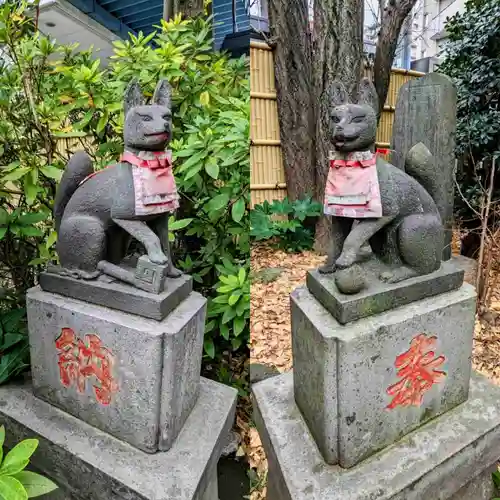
{"points": [[96, 214], [395, 211]]}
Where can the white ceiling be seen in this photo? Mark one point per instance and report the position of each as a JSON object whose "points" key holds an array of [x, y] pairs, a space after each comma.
{"points": [[71, 25]]}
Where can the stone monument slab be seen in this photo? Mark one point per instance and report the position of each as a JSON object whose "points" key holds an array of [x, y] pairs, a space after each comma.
{"points": [[115, 294], [426, 113], [133, 377], [362, 386], [379, 296], [449, 458], [92, 465]]}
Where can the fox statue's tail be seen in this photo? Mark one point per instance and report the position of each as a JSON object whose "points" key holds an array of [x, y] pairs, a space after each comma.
{"points": [[78, 168], [421, 165]]}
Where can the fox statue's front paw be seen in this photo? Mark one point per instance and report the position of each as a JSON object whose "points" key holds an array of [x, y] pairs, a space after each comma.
{"points": [[173, 272], [327, 268], [158, 257], [346, 259]]}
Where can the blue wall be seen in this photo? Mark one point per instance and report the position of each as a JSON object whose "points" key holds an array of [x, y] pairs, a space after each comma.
{"points": [[223, 19]]}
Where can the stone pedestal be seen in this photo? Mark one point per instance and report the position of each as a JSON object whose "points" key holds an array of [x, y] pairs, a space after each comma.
{"points": [[381, 406], [116, 396], [133, 377], [344, 373]]}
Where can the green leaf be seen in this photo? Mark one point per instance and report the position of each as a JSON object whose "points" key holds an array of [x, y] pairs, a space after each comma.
{"points": [[102, 121], [228, 315], [205, 98], [52, 172], [209, 347], [234, 298], [238, 325], [31, 218], [35, 484], [16, 174], [179, 224], [242, 275], [230, 280], [14, 468], [12, 489], [224, 331], [2, 440], [3, 231], [193, 160], [51, 239], [238, 210], [220, 201], [496, 478], [4, 217], [31, 231], [30, 190], [19, 455], [212, 168]]}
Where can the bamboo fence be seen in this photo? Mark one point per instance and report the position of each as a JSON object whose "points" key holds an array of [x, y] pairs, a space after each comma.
{"points": [[267, 172]]}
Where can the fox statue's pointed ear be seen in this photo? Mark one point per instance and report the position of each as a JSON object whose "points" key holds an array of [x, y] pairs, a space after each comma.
{"points": [[133, 96], [367, 94], [163, 94], [337, 94]]}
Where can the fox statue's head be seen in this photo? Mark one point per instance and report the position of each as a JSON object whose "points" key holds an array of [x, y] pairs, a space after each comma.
{"points": [[354, 126], [148, 127]]}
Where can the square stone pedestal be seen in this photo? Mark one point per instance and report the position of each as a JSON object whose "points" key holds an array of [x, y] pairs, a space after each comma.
{"points": [[133, 377], [449, 458], [364, 385], [89, 464]]}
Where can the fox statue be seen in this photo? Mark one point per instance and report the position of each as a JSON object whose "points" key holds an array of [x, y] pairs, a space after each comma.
{"points": [[377, 204], [97, 213]]}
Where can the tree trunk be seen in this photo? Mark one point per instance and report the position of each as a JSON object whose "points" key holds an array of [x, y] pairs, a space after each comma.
{"points": [[338, 55], [292, 65], [392, 18]]}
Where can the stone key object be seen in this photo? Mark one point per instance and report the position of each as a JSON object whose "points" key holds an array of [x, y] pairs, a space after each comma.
{"points": [[97, 213], [409, 235]]}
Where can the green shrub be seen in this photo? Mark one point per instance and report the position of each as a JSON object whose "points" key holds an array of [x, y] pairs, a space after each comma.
{"points": [[15, 482], [286, 222], [51, 93]]}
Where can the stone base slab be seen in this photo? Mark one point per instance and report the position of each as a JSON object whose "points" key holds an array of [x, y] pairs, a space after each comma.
{"points": [[132, 377], [378, 296], [115, 294], [449, 458], [89, 464]]}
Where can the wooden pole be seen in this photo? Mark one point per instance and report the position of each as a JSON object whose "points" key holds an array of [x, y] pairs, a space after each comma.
{"points": [[167, 9]]}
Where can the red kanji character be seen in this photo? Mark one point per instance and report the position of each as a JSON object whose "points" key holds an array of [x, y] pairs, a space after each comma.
{"points": [[417, 368], [80, 360]]}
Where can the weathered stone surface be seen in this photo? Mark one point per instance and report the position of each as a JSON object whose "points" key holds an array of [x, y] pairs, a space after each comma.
{"points": [[92, 465], [442, 458], [343, 372], [117, 295], [426, 113], [378, 296], [155, 366]]}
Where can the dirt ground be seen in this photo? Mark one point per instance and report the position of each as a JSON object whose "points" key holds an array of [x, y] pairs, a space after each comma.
{"points": [[274, 275]]}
